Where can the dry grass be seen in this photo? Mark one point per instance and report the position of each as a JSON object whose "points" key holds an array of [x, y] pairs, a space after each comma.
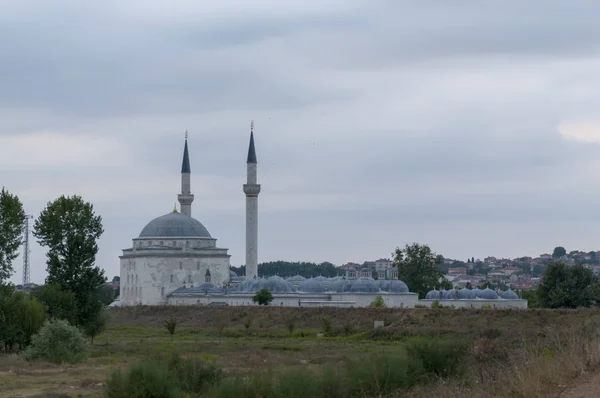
{"points": [[514, 353]]}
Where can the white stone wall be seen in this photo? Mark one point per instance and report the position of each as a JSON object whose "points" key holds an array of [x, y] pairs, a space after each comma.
{"points": [[149, 275], [478, 303], [407, 300]]}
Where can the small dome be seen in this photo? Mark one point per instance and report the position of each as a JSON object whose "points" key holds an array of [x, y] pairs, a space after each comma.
{"points": [[296, 278], [232, 274], [275, 278], [509, 295], [364, 285], [393, 286], [466, 294], [311, 286], [488, 294], [338, 285], [174, 225], [249, 286], [433, 295], [275, 285], [477, 292], [449, 294]]}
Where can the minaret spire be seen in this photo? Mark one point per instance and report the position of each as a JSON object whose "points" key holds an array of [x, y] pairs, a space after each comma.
{"points": [[251, 150], [186, 197], [251, 189]]}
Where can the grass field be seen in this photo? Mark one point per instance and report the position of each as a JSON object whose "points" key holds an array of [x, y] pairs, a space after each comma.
{"points": [[512, 353]]}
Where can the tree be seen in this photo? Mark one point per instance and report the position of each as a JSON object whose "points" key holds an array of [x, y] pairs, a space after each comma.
{"points": [[558, 252], [106, 294], [263, 297], [378, 303], [21, 316], [12, 217], [417, 268], [170, 324], [59, 303], [69, 228], [96, 325], [568, 286]]}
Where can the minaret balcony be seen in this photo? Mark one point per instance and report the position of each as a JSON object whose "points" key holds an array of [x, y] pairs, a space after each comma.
{"points": [[251, 189]]}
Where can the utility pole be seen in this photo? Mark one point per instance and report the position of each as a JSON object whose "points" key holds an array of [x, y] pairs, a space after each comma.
{"points": [[26, 268]]}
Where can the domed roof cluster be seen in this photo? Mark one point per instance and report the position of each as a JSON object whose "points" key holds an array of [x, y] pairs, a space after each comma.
{"points": [[321, 284], [471, 294], [174, 225]]}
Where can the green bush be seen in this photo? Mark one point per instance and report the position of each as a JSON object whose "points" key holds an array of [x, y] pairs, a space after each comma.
{"points": [[57, 342], [21, 316], [193, 375], [378, 376], [378, 303], [173, 377], [443, 358], [142, 380]]}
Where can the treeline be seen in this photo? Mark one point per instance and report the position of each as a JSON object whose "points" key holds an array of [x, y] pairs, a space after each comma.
{"points": [[287, 269], [74, 291]]}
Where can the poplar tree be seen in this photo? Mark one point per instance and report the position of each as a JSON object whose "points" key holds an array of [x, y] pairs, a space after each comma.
{"points": [[12, 218]]}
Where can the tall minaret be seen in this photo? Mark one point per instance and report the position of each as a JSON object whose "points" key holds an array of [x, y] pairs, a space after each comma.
{"points": [[251, 189], [185, 197]]}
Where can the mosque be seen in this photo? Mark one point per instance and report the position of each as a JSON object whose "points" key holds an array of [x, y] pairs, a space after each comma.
{"points": [[175, 261]]}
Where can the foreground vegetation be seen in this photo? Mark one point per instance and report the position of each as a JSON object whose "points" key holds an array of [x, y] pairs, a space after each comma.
{"points": [[272, 352]]}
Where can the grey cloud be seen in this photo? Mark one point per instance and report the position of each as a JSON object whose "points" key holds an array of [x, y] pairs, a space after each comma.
{"points": [[377, 125]]}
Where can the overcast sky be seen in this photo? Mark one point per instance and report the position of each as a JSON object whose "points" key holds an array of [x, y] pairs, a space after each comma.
{"points": [[470, 126]]}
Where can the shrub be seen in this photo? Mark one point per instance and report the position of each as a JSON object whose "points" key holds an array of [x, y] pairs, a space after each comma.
{"points": [[57, 342], [443, 358], [381, 375], [174, 377], [193, 375], [171, 324], [248, 325], [327, 328], [21, 316], [263, 297], [142, 380], [378, 303]]}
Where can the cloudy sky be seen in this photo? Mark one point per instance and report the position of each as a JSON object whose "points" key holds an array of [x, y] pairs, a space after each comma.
{"points": [[470, 126]]}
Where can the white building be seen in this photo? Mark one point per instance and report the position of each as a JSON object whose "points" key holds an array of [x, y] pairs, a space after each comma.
{"points": [[172, 250]]}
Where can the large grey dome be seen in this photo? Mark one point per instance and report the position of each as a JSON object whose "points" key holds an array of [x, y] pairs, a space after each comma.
{"points": [[311, 286], [364, 285], [174, 225], [274, 284], [509, 295], [392, 286]]}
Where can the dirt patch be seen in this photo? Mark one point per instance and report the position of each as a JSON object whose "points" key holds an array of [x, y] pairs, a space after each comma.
{"points": [[586, 386]]}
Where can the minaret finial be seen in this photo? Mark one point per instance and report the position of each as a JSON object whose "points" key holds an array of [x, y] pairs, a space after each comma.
{"points": [[175, 207], [186, 134], [252, 126]]}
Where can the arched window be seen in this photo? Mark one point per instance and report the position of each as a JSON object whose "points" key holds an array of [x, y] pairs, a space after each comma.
{"points": [[187, 243], [180, 265], [171, 278], [198, 266], [207, 276], [162, 291], [136, 278], [190, 278], [174, 243], [162, 243]]}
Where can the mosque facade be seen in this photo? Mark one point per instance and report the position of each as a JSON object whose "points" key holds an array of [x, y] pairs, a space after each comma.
{"points": [[171, 251], [175, 261]]}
